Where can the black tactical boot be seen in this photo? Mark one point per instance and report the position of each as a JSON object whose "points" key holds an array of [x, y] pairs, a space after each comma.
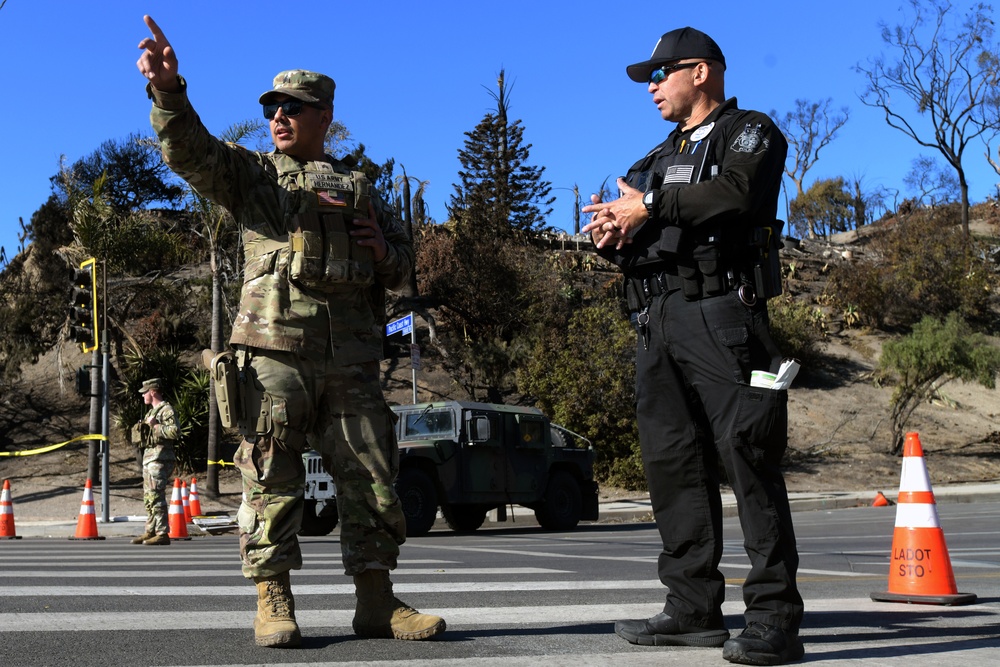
{"points": [[664, 630], [762, 644]]}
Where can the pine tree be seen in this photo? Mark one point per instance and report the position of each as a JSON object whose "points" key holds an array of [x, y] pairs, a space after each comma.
{"points": [[500, 191]]}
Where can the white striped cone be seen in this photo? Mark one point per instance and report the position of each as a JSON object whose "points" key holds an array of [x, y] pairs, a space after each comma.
{"points": [[920, 567], [86, 523], [7, 529], [185, 502], [175, 515], [194, 501]]}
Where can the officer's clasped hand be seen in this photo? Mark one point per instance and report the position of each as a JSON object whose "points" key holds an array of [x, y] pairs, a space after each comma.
{"points": [[618, 220]]}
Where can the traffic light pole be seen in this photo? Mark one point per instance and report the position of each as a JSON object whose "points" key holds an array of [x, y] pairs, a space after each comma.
{"points": [[105, 430]]}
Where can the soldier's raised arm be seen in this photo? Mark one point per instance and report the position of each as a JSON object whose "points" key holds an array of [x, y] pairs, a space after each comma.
{"points": [[158, 62]]}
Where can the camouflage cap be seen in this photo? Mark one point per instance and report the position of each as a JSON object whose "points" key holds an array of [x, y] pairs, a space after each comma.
{"points": [[303, 85], [154, 383]]}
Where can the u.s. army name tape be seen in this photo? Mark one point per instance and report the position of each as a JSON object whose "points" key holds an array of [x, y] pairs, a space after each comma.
{"points": [[49, 448]]}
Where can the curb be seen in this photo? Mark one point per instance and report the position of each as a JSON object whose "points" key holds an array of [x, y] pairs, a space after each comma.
{"points": [[634, 510]]}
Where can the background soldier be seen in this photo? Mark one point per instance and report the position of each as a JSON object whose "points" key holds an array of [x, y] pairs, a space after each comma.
{"points": [[156, 435], [320, 251]]}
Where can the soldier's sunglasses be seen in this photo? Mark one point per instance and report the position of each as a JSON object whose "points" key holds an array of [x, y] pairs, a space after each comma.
{"points": [[657, 76], [290, 108]]}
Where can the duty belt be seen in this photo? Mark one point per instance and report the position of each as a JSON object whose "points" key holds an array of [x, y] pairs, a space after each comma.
{"points": [[639, 290]]}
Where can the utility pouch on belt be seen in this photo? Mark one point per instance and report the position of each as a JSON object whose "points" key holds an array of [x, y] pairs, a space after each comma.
{"points": [[767, 265], [322, 253], [223, 369]]}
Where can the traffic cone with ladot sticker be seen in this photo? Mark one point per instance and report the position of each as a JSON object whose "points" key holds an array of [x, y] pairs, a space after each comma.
{"points": [[7, 530], [920, 567], [194, 502], [175, 515], [86, 523]]}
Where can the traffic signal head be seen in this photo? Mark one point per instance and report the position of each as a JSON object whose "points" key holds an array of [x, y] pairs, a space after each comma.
{"points": [[83, 306]]}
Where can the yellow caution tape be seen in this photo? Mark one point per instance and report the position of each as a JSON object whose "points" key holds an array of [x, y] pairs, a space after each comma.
{"points": [[220, 463], [49, 448]]}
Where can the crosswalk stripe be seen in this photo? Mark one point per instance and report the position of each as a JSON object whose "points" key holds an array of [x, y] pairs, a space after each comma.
{"points": [[341, 618], [307, 572], [325, 589], [337, 618]]}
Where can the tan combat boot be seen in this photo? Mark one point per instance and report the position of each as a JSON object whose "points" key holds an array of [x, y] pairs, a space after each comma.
{"points": [[142, 538], [162, 538], [379, 614], [274, 624]]}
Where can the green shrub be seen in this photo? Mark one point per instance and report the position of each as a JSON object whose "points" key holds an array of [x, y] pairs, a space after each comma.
{"points": [[797, 328], [934, 353], [584, 379], [921, 265]]}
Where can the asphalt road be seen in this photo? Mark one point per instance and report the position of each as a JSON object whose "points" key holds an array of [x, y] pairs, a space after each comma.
{"points": [[511, 596]]}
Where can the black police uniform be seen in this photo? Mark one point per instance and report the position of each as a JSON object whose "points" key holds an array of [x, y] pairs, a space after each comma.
{"points": [[698, 299]]}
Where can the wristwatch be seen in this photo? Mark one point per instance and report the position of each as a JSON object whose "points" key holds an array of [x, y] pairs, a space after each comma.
{"points": [[647, 200]]}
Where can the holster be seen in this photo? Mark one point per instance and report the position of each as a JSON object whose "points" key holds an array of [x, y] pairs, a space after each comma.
{"points": [[767, 264], [223, 369]]}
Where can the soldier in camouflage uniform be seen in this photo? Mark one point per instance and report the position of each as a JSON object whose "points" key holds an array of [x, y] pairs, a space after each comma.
{"points": [[156, 434], [320, 250]]}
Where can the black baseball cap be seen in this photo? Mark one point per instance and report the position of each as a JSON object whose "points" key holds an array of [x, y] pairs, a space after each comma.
{"points": [[677, 45]]}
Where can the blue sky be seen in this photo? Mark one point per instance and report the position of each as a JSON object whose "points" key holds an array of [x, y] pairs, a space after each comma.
{"points": [[411, 76]]}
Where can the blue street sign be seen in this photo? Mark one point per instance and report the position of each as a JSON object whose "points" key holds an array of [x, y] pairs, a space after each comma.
{"points": [[403, 325]]}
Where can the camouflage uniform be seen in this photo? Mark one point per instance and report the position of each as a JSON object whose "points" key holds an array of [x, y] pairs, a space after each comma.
{"points": [[313, 352], [158, 460]]}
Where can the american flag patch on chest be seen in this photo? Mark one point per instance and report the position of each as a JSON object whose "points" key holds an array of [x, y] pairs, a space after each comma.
{"points": [[679, 173], [331, 198]]}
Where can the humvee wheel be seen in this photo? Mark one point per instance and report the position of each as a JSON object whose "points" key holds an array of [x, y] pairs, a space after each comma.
{"points": [[419, 499], [464, 518], [562, 506]]}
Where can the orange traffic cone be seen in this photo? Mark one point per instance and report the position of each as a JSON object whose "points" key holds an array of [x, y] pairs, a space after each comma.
{"points": [[194, 502], [920, 568], [185, 503], [7, 530], [881, 500], [86, 523], [175, 515]]}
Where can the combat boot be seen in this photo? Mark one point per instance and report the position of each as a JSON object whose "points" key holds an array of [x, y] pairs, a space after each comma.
{"points": [[142, 538], [274, 625], [379, 614], [162, 538]]}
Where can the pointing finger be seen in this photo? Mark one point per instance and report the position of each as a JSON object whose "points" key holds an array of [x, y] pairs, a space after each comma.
{"points": [[155, 29]]}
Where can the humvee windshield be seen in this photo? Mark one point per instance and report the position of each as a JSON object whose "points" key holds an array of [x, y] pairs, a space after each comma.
{"points": [[429, 424]]}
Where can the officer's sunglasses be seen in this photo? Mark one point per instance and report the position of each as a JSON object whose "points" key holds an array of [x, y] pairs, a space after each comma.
{"points": [[290, 108], [657, 76]]}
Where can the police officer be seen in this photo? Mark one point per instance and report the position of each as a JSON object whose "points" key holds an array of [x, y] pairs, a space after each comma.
{"points": [[320, 250], [156, 435], [694, 233]]}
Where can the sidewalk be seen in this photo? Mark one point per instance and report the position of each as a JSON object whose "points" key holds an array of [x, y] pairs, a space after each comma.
{"points": [[616, 511]]}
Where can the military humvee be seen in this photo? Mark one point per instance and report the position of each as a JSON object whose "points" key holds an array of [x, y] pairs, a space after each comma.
{"points": [[472, 458]]}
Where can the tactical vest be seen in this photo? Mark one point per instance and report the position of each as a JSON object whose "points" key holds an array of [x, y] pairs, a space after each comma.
{"points": [[707, 260], [322, 255]]}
